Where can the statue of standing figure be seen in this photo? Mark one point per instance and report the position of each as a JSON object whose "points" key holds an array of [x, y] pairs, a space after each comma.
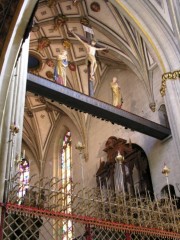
{"points": [[116, 93], [91, 51], [60, 68]]}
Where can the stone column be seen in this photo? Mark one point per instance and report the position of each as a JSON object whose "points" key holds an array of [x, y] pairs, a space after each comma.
{"points": [[21, 91], [5, 138], [12, 93], [11, 143], [170, 90]]}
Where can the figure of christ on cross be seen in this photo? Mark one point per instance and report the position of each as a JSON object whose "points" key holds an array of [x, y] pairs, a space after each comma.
{"points": [[91, 51]]}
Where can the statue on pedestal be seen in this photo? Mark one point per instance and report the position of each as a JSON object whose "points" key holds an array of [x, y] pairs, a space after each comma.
{"points": [[116, 93], [60, 68]]}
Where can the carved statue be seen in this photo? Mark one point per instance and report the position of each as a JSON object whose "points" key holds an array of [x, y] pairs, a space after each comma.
{"points": [[116, 94], [59, 21], [60, 69], [43, 43], [91, 51]]}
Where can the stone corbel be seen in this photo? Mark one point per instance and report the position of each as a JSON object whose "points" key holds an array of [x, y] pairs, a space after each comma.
{"points": [[168, 76]]}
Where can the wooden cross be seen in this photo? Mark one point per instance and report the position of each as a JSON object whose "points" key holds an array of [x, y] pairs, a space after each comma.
{"points": [[90, 82], [91, 51]]}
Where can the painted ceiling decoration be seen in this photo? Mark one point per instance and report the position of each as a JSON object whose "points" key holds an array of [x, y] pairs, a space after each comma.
{"points": [[53, 21], [98, 20], [95, 6]]}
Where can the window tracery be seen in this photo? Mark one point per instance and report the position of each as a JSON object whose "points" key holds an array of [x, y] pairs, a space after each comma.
{"points": [[24, 178]]}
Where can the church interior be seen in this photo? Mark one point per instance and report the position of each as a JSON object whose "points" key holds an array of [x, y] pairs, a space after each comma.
{"points": [[89, 119]]}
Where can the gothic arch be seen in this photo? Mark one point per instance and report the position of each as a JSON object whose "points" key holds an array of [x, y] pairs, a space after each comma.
{"points": [[162, 44], [63, 125]]}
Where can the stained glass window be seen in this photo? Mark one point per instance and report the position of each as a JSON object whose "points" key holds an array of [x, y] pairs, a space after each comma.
{"points": [[66, 162], [24, 178]]}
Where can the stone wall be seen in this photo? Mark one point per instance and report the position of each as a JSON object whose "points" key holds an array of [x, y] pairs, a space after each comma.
{"points": [[135, 101]]}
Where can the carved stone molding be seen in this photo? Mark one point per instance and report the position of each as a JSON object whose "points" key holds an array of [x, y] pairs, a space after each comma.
{"points": [[59, 21], [95, 7], [43, 42]]}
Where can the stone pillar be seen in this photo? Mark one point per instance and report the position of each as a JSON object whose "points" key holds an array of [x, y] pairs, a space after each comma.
{"points": [[5, 139], [21, 91], [11, 143], [171, 94], [12, 93]]}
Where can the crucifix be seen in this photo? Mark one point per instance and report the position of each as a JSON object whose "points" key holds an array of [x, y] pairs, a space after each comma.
{"points": [[89, 45]]}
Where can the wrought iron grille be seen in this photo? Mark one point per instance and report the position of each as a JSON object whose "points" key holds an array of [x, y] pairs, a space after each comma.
{"points": [[21, 226], [95, 214]]}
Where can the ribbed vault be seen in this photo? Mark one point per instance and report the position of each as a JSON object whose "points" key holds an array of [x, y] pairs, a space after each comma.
{"points": [[50, 33]]}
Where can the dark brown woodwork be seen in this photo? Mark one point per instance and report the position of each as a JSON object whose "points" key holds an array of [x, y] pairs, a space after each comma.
{"points": [[96, 108], [115, 145], [134, 157]]}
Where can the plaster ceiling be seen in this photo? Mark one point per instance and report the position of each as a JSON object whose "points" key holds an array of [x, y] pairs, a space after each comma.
{"points": [[50, 34]]}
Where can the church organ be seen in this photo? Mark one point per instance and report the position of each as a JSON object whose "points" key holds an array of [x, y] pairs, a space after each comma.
{"points": [[132, 175]]}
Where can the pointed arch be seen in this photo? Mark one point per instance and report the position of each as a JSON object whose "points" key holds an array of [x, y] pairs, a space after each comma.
{"points": [[146, 22]]}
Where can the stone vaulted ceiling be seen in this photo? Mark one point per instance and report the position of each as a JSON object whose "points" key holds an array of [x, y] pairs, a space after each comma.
{"points": [[50, 34]]}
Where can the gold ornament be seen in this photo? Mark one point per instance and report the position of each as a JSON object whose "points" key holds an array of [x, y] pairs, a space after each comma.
{"points": [[165, 170], [14, 129], [168, 76]]}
